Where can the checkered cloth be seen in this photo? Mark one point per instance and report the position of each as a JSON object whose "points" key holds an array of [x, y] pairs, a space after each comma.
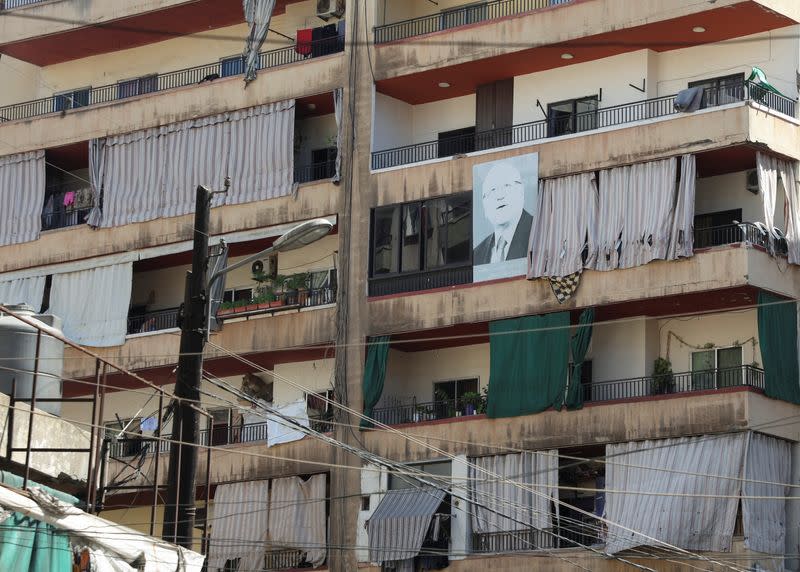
{"points": [[565, 287]]}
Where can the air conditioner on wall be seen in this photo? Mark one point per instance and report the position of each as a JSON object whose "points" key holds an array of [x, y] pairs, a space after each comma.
{"points": [[752, 181], [327, 9]]}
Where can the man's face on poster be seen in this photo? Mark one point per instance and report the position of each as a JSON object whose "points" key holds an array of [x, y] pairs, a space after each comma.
{"points": [[503, 195]]}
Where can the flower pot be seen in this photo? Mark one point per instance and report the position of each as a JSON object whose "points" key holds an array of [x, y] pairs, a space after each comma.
{"points": [[470, 409], [276, 303], [224, 311], [263, 305], [251, 307]]}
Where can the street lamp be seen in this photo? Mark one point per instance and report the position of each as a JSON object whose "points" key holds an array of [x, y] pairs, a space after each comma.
{"points": [[179, 509]]}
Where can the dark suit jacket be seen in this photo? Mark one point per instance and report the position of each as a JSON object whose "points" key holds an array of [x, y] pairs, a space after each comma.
{"points": [[482, 254]]}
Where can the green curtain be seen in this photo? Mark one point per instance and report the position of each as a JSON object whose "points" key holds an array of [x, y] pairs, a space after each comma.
{"points": [[374, 374], [528, 359], [27, 544], [579, 344], [777, 338]]}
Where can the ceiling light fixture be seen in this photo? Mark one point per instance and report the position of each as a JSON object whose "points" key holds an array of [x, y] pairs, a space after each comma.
{"points": [[698, 29], [443, 84], [566, 56], [312, 106]]}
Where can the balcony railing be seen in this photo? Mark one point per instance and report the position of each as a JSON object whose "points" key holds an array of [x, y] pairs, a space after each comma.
{"points": [[166, 81], [284, 301], [153, 321], [745, 232], [416, 412], [575, 123], [9, 4], [687, 382], [454, 17], [568, 533], [416, 281], [314, 172], [57, 214]]}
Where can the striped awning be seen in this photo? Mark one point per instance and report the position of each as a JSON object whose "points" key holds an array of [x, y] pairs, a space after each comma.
{"points": [[397, 527]]}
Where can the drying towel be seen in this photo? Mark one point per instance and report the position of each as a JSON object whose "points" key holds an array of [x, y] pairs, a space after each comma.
{"points": [[303, 46], [689, 100]]}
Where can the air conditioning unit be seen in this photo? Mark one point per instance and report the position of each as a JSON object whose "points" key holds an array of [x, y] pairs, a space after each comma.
{"points": [[752, 181], [327, 9], [268, 266]]}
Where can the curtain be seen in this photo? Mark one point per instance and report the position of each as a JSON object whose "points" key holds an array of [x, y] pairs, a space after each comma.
{"points": [[528, 360], [767, 169], [22, 183], [777, 338], [579, 345], [338, 96], [257, 14], [788, 175], [28, 291], [374, 375], [663, 480], [141, 180], [239, 525], [93, 304], [647, 212], [279, 430], [217, 290], [681, 240], [564, 220], [612, 196], [297, 516], [769, 460], [261, 163], [510, 506], [97, 156]]}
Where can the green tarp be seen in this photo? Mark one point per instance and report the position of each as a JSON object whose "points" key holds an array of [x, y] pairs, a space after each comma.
{"points": [[579, 344], [528, 364], [28, 545], [374, 374], [777, 338]]}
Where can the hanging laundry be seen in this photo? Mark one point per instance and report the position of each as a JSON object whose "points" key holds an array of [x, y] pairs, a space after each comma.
{"points": [[69, 198], [303, 46]]}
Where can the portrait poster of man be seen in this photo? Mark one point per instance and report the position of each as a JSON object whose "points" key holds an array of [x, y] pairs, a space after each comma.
{"points": [[504, 199]]}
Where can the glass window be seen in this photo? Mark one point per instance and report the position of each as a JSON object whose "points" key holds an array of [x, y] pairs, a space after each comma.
{"points": [[386, 222], [721, 90], [729, 363], [435, 233], [231, 66], [572, 116], [459, 229], [411, 237], [71, 99], [716, 368], [439, 468], [703, 369]]}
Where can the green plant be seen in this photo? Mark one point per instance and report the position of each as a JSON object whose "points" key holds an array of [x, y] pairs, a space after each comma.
{"points": [[299, 281], [663, 378], [473, 399]]}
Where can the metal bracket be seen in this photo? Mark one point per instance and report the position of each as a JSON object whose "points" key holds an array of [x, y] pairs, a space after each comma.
{"points": [[637, 88], [539, 105]]}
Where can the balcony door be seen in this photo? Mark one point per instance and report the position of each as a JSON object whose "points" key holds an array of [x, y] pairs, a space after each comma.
{"points": [[494, 114], [721, 90], [716, 368], [572, 116]]}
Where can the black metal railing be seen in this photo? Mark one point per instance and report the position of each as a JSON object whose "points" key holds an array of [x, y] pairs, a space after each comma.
{"points": [[417, 281], [166, 81], [57, 214], [220, 435], [579, 122], [283, 301], [416, 412], [314, 172], [11, 4], [153, 321], [284, 559], [686, 382], [568, 533], [461, 16], [745, 232]]}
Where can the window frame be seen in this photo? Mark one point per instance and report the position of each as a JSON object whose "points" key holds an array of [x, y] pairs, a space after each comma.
{"points": [[738, 79], [138, 82], [715, 369], [228, 60], [69, 96], [573, 115]]}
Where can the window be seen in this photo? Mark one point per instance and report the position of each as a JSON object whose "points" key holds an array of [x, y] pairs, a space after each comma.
{"points": [[721, 90], [237, 294], [419, 239], [231, 66], [323, 163], [437, 468], [137, 86], [572, 116], [226, 426], [456, 142], [320, 411], [718, 367], [714, 229], [71, 99], [447, 397]]}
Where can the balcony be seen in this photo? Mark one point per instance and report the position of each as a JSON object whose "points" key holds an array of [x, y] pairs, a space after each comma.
{"points": [[279, 303], [61, 210], [155, 83], [459, 16], [556, 126], [11, 4]]}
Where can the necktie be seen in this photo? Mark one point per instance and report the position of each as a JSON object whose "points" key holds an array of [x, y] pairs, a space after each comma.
{"points": [[501, 248]]}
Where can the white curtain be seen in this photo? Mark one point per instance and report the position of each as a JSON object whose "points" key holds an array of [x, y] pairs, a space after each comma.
{"points": [[565, 217], [504, 507], [649, 205], [681, 241], [261, 163], [142, 179], [279, 430], [612, 195], [338, 96], [662, 480], [93, 304], [297, 516], [767, 168], [239, 525], [22, 183], [97, 157], [769, 460], [787, 171], [257, 14], [28, 291]]}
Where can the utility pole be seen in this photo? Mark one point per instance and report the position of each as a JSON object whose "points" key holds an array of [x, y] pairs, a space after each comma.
{"points": [[179, 509]]}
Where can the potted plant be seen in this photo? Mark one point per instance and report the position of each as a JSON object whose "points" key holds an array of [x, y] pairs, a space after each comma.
{"points": [[293, 284], [225, 308], [472, 401], [663, 378]]}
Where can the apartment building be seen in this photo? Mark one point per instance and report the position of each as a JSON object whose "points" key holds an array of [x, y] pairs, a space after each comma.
{"points": [[560, 285]]}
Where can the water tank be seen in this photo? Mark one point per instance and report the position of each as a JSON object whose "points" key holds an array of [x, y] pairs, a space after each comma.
{"points": [[18, 357]]}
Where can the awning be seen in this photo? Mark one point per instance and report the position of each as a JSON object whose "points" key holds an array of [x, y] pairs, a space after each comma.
{"points": [[397, 527]]}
